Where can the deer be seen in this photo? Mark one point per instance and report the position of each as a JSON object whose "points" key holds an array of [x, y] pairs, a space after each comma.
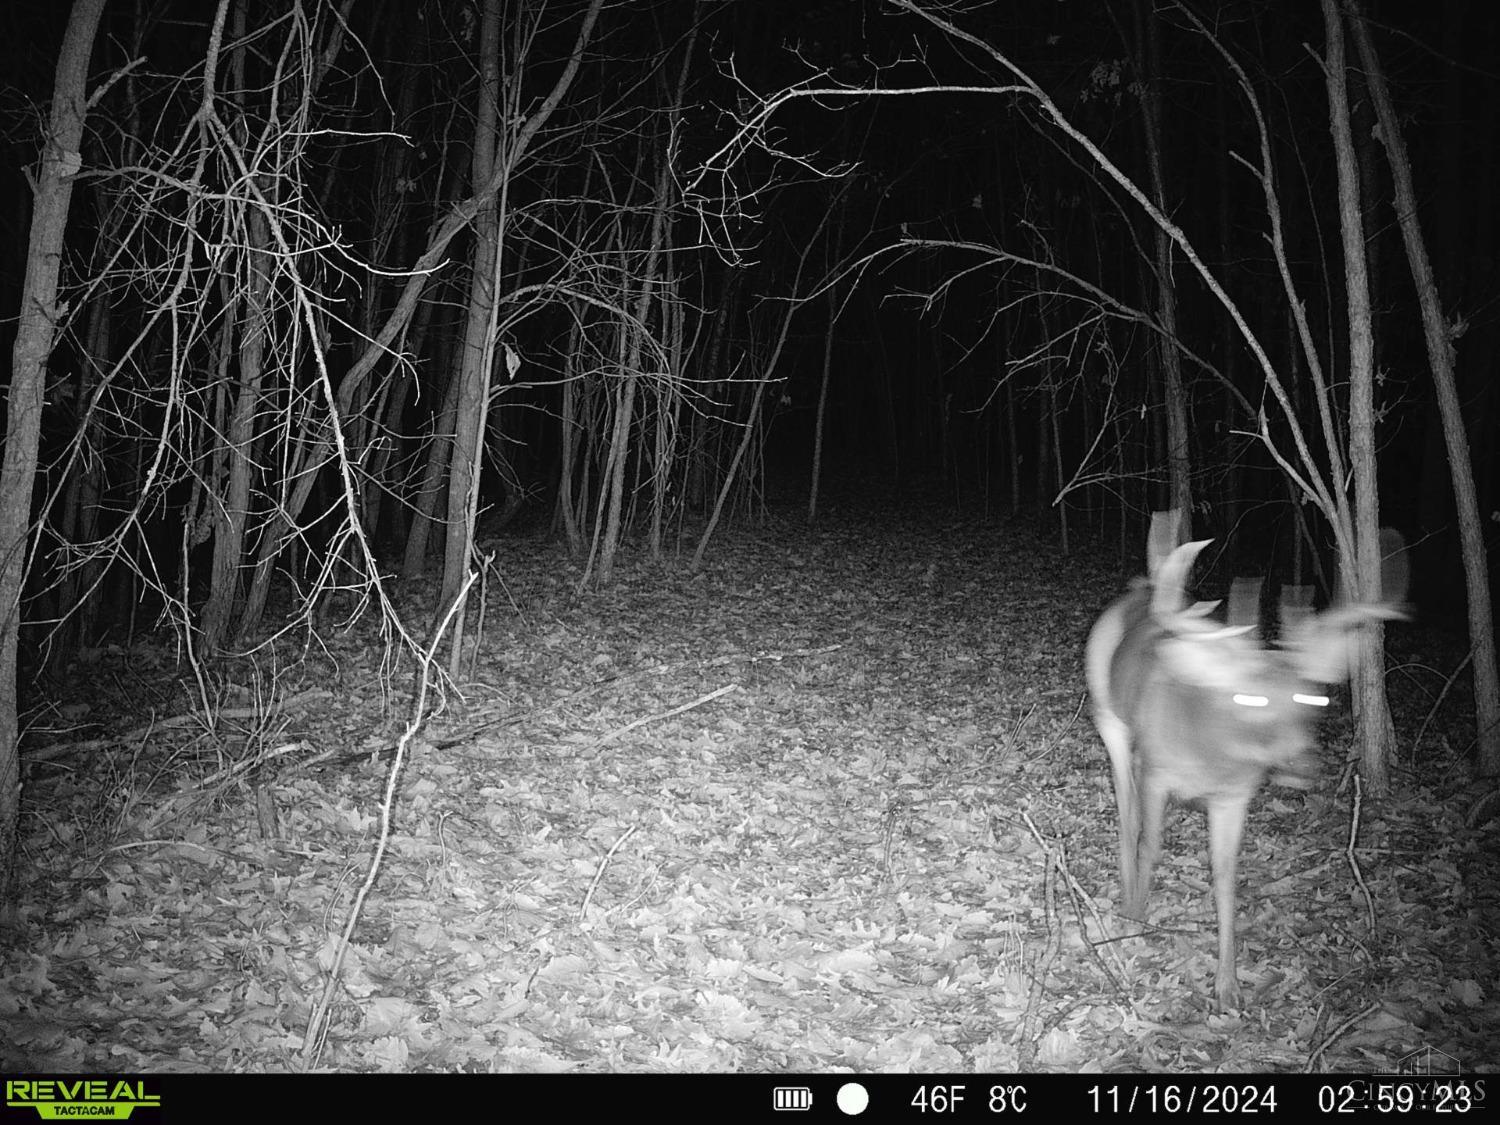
{"points": [[1195, 710]]}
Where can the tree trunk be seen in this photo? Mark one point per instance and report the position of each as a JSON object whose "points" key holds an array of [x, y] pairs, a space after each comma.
{"points": [[818, 420], [1057, 468], [492, 173], [1148, 35], [1440, 356], [230, 515], [1012, 447], [80, 594], [612, 488], [1373, 731], [36, 329], [429, 487], [476, 348], [302, 462], [568, 427], [883, 388], [668, 403], [730, 473], [390, 466]]}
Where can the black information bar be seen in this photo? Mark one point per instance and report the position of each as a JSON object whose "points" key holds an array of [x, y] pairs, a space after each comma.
{"points": [[1049, 1098]]}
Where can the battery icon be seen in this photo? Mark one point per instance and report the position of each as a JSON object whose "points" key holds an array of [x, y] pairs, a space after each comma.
{"points": [[791, 1097]]}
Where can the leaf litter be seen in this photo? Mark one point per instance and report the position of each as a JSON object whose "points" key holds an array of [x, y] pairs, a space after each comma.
{"points": [[832, 803]]}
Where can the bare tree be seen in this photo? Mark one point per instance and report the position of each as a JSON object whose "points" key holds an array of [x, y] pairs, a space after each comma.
{"points": [[497, 160], [634, 344], [1374, 733], [36, 330], [1439, 341], [1174, 399]]}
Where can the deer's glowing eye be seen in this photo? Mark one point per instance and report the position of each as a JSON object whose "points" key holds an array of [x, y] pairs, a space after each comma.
{"points": [[1310, 700], [1251, 700]]}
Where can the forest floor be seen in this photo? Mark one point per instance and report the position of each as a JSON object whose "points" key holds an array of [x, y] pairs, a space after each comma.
{"points": [[832, 803]]}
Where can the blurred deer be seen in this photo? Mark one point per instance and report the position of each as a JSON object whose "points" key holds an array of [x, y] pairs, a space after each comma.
{"points": [[1191, 709]]}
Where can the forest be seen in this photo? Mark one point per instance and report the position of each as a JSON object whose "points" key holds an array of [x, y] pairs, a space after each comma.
{"points": [[582, 535]]}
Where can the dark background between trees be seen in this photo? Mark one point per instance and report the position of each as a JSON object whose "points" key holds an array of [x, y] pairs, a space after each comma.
{"points": [[649, 267]]}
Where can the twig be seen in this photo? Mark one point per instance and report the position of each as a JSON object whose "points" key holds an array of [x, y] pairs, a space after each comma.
{"points": [[459, 736], [1026, 1039], [1438, 702], [484, 595], [599, 871], [63, 749], [1056, 742], [628, 727], [1020, 724], [181, 801], [1354, 859], [312, 1043], [1086, 901], [1312, 1059], [210, 720]]}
